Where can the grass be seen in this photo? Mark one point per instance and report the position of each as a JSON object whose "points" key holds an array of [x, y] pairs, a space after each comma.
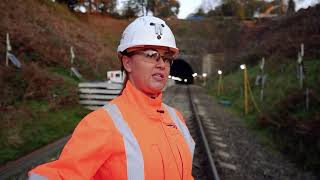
{"points": [[35, 127], [31, 123], [279, 84], [283, 109], [65, 74]]}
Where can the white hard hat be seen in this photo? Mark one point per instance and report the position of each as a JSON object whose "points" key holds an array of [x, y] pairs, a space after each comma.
{"points": [[147, 30]]}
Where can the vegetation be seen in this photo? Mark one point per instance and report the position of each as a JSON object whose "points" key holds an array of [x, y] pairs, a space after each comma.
{"points": [[132, 8], [40, 107], [247, 9], [39, 102], [284, 120]]}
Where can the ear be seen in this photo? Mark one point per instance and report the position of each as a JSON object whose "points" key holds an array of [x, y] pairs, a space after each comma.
{"points": [[127, 63]]}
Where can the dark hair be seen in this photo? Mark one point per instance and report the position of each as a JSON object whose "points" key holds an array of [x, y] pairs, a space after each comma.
{"points": [[125, 79]]}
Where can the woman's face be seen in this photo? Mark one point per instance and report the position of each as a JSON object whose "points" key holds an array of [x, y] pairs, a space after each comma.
{"points": [[148, 71]]}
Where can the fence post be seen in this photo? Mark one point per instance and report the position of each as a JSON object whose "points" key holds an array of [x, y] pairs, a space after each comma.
{"points": [[302, 49], [220, 85], [72, 56], [301, 75], [307, 99], [245, 88], [8, 49], [262, 78]]}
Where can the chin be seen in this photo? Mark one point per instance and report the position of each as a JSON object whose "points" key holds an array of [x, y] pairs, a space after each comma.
{"points": [[157, 89]]}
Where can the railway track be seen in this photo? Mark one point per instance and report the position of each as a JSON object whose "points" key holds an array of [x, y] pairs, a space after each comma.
{"points": [[211, 154], [200, 130]]}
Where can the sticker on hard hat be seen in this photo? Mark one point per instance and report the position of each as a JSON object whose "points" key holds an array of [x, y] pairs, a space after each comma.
{"points": [[158, 29]]}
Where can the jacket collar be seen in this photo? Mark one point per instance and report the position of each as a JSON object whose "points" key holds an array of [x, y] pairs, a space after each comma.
{"points": [[144, 103]]}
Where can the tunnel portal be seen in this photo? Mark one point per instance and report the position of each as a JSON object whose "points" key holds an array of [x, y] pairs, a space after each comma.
{"points": [[180, 68]]}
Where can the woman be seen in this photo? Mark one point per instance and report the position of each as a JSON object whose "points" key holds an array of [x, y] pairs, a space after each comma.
{"points": [[135, 136]]}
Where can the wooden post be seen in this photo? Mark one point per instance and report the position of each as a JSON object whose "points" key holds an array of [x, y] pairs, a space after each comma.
{"points": [[72, 56], [307, 99], [245, 88], [262, 78], [220, 86], [222, 89], [7, 58], [8, 49], [245, 92], [301, 75], [301, 66]]}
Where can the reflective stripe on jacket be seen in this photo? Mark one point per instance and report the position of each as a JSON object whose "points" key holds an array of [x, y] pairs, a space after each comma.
{"points": [[134, 137]]}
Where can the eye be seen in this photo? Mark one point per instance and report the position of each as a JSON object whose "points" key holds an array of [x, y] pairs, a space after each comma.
{"points": [[167, 59], [151, 54]]}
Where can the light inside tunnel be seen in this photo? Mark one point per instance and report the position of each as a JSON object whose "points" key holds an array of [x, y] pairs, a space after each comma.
{"points": [[182, 70], [204, 74]]}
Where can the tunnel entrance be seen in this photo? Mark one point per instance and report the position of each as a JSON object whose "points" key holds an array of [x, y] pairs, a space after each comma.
{"points": [[181, 69]]}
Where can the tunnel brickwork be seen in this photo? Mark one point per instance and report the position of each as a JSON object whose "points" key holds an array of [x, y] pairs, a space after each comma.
{"points": [[187, 64]]}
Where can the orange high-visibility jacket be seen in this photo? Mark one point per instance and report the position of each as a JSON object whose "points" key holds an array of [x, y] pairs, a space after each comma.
{"points": [[134, 137]]}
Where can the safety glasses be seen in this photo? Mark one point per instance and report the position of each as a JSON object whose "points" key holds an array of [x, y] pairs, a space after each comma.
{"points": [[154, 56]]}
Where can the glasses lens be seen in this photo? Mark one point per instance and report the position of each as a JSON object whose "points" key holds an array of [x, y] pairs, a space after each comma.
{"points": [[151, 54], [168, 59], [154, 56]]}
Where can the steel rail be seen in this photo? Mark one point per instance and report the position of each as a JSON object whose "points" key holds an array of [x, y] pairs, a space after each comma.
{"points": [[203, 136]]}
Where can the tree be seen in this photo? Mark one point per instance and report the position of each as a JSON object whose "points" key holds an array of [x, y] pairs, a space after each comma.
{"points": [[200, 12], [131, 9], [238, 8], [163, 8], [151, 6], [108, 6], [232, 8], [291, 7], [169, 8], [70, 3]]}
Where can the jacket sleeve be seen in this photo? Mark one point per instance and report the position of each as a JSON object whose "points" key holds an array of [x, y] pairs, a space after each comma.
{"points": [[85, 152]]}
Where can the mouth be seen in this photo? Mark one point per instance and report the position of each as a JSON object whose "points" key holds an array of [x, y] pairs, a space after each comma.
{"points": [[158, 76]]}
